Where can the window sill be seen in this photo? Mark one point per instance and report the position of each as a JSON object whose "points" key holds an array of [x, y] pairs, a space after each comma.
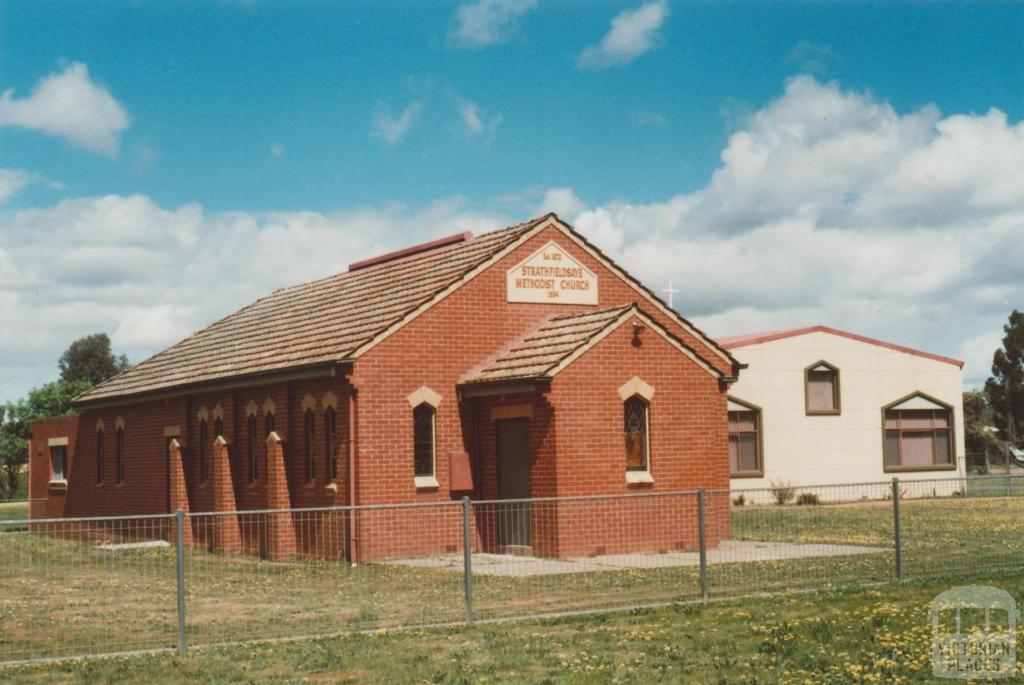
{"points": [[823, 412], [58, 485], [426, 482], [912, 469], [747, 474], [635, 477]]}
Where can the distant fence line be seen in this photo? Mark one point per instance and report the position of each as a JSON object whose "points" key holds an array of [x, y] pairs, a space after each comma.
{"points": [[103, 585]]}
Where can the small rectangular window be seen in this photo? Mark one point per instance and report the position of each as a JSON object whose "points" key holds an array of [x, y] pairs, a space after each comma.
{"points": [[58, 462], [310, 424], [119, 456], [745, 442], [253, 470], [331, 442], [423, 440], [821, 389], [101, 463], [203, 467], [637, 448]]}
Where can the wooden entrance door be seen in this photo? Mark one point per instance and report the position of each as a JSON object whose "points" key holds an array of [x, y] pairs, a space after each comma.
{"points": [[514, 483]]}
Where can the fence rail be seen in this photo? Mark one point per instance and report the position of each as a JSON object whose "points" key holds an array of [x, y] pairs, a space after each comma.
{"points": [[101, 585]]}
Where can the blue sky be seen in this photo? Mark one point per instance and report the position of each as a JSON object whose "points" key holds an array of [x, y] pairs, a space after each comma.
{"points": [[211, 87], [372, 125]]}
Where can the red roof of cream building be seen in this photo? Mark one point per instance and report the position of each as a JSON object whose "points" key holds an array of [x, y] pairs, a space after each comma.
{"points": [[735, 341]]}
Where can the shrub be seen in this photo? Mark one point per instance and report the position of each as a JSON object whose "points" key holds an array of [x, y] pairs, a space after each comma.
{"points": [[739, 500], [808, 498], [783, 492]]}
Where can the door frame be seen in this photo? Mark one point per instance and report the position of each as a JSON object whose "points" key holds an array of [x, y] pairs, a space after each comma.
{"points": [[511, 548]]}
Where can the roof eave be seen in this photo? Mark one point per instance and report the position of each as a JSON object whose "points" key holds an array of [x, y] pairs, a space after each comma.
{"points": [[314, 370], [504, 386]]}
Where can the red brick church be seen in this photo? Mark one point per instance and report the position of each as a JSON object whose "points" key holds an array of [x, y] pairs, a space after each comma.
{"points": [[521, 363]]}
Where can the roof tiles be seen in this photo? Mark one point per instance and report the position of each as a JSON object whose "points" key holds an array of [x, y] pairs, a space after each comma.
{"points": [[323, 321], [539, 353]]}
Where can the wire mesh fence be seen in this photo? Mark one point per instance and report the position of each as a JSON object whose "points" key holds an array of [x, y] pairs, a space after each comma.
{"points": [[993, 462], [74, 587]]}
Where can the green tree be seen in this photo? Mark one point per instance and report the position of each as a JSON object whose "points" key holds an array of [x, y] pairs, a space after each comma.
{"points": [[90, 359], [1005, 388], [52, 399], [978, 417]]}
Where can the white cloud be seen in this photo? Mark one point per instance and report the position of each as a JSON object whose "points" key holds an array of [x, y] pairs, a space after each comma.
{"points": [[71, 106], [831, 207], [13, 180], [476, 123], [633, 32], [487, 22], [277, 150], [148, 275], [392, 129], [561, 201]]}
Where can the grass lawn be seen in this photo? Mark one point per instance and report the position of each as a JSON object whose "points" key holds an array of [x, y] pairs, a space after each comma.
{"points": [[878, 635], [11, 511], [61, 597]]}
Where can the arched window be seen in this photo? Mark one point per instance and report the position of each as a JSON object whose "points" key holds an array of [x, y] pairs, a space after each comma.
{"points": [[101, 462], [636, 428], [309, 422], [331, 442], [119, 465], [251, 429], [204, 471], [218, 427], [423, 440], [268, 424]]}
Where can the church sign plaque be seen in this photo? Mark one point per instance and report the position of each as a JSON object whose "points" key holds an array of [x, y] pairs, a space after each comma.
{"points": [[550, 275]]}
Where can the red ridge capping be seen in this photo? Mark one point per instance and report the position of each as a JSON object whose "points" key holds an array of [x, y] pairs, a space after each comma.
{"points": [[409, 251], [757, 338]]}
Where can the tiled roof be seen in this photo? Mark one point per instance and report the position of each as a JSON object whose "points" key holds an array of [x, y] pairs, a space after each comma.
{"points": [[538, 353], [732, 342], [313, 323]]}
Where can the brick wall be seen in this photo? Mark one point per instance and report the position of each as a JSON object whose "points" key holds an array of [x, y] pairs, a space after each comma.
{"points": [[39, 487], [440, 346], [576, 438], [688, 444]]}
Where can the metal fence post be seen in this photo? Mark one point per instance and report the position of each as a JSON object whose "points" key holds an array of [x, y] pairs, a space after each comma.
{"points": [[703, 546], [467, 559], [1009, 481], [179, 518], [897, 532]]}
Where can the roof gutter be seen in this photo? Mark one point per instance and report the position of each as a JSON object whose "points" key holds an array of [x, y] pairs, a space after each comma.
{"points": [[511, 386]]}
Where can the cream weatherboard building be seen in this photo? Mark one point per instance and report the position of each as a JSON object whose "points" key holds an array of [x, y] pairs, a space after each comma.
{"points": [[818, 405]]}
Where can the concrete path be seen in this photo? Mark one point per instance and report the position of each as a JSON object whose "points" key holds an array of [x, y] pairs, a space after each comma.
{"points": [[728, 552]]}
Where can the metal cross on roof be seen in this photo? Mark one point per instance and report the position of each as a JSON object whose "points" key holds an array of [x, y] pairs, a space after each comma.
{"points": [[670, 291]]}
